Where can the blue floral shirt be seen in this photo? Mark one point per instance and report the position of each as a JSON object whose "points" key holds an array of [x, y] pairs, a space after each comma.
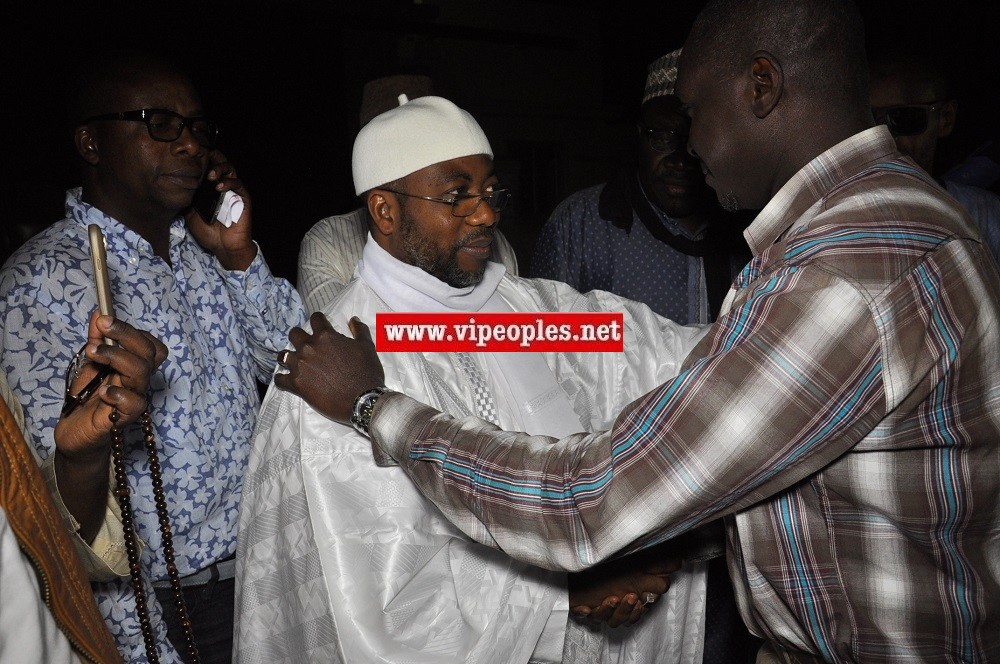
{"points": [[222, 329]]}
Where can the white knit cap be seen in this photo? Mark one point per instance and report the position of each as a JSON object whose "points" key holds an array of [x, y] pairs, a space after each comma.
{"points": [[414, 135]]}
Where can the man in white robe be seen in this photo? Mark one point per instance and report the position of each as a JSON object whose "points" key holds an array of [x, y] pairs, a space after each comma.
{"points": [[341, 560]]}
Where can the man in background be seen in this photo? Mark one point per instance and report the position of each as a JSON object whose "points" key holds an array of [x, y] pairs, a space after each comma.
{"points": [[654, 234], [912, 93]]}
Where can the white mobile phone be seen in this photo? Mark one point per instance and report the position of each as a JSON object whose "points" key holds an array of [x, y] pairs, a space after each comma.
{"points": [[212, 206], [99, 258]]}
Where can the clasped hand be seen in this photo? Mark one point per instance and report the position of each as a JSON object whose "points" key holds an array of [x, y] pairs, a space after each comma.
{"points": [[622, 591]]}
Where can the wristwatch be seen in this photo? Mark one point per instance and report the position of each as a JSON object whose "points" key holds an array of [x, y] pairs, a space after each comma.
{"points": [[361, 417]]}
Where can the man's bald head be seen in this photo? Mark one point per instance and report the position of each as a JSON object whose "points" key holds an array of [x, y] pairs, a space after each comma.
{"points": [[768, 86], [820, 43]]}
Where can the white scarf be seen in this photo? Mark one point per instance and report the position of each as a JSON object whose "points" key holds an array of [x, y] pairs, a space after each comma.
{"points": [[522, 378]]}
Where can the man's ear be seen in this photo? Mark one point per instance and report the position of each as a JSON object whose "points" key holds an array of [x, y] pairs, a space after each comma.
{"points": [[946, 117], [767, 83], [383, 212], [86, 144]]}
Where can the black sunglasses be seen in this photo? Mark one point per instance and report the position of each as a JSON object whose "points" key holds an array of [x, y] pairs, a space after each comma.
{"points": [[909, 120]]}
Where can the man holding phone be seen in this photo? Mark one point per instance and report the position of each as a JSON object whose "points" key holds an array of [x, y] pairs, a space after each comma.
{"points": [[201, 287]]}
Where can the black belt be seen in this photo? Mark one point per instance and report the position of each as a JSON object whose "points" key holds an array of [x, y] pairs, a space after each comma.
{"points": [[219, 571]]}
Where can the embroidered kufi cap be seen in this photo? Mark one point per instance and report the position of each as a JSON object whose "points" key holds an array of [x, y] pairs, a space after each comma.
{"points": [[661, 76], [414, 135]]}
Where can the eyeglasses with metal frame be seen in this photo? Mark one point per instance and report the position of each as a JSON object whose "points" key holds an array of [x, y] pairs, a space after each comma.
{"points": [[465, 205], [666, 141], [906, 120], [166, 126]]}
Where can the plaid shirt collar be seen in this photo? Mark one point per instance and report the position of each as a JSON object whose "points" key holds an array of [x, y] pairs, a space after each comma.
{"points": [[815, 180]]}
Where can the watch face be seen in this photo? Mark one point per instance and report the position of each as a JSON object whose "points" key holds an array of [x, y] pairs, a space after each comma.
{"points": [[363, 409]]}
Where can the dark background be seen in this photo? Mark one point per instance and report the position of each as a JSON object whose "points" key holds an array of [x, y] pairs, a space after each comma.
{"points": [[555, 85]]}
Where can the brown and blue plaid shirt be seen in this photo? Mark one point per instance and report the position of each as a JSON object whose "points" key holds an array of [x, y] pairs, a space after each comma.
{"points": [[844, 413]]}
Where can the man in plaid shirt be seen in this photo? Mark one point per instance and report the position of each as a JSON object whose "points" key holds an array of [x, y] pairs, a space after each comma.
{"points": [[843, 413]]}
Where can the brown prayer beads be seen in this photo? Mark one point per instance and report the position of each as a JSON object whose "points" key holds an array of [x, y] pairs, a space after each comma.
{"points": [[131, 548]]}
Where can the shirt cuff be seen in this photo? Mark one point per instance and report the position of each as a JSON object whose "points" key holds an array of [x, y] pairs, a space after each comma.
{"points": [[397, 421], [255, 284], [254, 276], [105, 558]]}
